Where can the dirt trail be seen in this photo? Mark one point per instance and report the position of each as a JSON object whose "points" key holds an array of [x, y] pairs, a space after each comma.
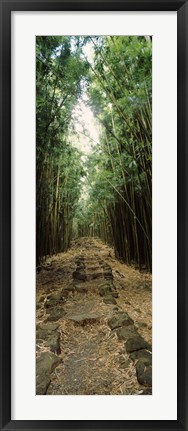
{"points": [[93, 324]]}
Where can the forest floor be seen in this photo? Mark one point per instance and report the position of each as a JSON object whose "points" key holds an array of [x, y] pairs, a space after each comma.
{"points": [[93, 324]]}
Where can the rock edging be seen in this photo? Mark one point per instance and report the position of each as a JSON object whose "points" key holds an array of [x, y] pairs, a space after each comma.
{"points": [[138, 349]]}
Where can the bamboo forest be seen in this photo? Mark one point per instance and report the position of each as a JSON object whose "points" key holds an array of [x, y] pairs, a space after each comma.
{"points": [[93, 215]]}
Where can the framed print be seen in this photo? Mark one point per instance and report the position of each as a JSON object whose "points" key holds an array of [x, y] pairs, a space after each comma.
{"points": [[93, 215]]}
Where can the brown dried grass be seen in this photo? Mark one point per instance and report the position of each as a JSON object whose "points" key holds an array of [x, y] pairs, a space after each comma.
{"points": [[94, 349]]}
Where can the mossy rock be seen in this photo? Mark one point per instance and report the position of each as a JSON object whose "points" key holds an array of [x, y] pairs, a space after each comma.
{"points": [[79, 276], [79, 260], [141, 324], [54, 300], [45, 364], [80, 267], [94, 275], [120, 319], [108, 275], [55, 314], [141, 354], [105, 266], [48, 327], [49, 334], [136, 343], [53, 342], [115, 294], [126, 332], [84, 318], [105, 290], [147, 391], [144, 372], [109, 299]]}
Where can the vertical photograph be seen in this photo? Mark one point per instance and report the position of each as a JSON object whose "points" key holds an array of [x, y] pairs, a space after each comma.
{"points": [[94, 215]]}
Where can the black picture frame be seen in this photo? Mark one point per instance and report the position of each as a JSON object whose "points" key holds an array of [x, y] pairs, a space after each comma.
{"points": [[6, 7]]}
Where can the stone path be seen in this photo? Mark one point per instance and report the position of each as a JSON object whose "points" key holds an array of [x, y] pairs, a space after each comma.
{"points": [[87, 343]]}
